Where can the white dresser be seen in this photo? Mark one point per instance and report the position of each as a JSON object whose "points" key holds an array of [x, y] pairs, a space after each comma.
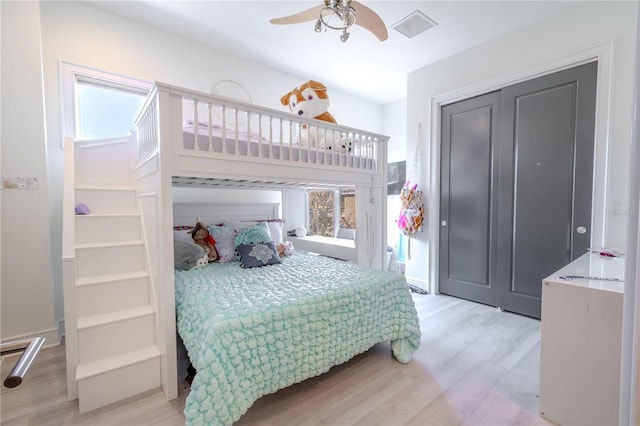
{"points": [[581, 336]]}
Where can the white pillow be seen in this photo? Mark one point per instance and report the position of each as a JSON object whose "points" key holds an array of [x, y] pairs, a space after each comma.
{"points": [[275, 229]]}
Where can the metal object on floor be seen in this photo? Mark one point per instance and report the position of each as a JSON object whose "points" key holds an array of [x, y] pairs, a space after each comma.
{"points": [[31, 347], [416, 289]]}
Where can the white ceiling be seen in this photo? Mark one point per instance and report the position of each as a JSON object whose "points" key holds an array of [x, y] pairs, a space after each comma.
{"points": [[363, 66]]}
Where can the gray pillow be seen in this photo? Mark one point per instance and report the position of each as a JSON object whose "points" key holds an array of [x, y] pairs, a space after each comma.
{"points": [[186, 254], [256, 255]]}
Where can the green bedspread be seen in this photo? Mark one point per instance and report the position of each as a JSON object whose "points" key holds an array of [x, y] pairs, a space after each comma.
{"points": [[250, 332]]}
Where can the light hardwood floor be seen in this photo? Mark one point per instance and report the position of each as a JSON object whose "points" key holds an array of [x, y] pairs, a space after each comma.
{"points": [[476, 366]]}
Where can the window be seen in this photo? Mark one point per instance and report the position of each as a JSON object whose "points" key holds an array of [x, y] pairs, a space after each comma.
{"points": [[348, 209], [332, 210], [103, 111], [98, 104]]}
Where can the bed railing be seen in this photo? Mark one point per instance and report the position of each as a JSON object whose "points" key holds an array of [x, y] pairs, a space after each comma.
{"points": [[147, 124], [220, 126]]}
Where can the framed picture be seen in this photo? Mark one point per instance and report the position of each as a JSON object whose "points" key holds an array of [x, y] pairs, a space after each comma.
{"points": [[396, 176]]}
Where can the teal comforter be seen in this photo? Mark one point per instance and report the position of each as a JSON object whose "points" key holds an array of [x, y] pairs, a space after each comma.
{"points": [[250, 332]]}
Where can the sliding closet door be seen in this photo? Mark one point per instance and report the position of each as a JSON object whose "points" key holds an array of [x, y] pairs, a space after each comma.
{"points": [[516, 184], [468, 199], [545, 182]]}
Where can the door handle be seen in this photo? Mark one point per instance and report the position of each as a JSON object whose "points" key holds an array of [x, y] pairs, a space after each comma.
{"points": [[581, 230], [443, 223]]}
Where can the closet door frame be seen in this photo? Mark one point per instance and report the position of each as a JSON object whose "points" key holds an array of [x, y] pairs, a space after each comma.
{"points": [[604, 55]]}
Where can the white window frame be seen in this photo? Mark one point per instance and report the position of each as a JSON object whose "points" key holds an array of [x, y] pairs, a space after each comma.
{"points": [[71, 73]]}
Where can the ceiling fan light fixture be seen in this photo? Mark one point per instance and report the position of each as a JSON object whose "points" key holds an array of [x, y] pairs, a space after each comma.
{"points": [[343, 18], [339, 15]]}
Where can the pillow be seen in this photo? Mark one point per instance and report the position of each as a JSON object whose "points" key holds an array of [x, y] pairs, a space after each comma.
{"points": [[183, 234], [225, 238], [257, 255], [186, 255], [274, 225], [258, 233], [237, 225], [275, 229]]}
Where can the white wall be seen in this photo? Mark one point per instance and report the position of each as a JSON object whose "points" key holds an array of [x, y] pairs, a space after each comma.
{"points": [[27, 279], [394, 125], [550, 40], [630, 360], [294, 209], [78, 32]]}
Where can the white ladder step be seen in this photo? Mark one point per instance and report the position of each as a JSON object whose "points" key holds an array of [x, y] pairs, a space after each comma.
{"points": [[95, 259], [104, 382], [90, 369], [107, 244], [88, 281], [107, 227], [107, 200], [115, 333], [116, 292], [112, 317]]}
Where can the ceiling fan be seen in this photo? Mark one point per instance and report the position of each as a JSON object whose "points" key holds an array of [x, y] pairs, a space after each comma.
{"points": [[339, 15]]}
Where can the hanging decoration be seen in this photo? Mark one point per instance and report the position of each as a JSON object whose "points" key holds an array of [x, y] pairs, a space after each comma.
{"points": [[411, 214], [412, 210]]}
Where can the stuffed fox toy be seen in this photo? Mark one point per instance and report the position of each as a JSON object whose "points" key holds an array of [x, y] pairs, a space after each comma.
{"points": [[310, 100]]}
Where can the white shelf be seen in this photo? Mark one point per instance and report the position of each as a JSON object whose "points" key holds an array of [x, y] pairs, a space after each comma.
{"points": [[327, 246]]}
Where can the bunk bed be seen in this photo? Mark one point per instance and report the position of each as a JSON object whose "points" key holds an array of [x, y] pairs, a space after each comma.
{"points": [[252, 331]]}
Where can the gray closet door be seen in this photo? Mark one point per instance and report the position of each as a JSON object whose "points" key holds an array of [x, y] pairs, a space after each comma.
{"points": [[468, 199], [546, 173], [516, 183]]}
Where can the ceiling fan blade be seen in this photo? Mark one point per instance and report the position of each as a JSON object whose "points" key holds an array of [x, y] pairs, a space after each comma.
{"points": [[304, 16], [370, 20]]}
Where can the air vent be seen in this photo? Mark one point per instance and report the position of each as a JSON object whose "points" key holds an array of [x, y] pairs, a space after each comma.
{"points": [[414, 24]]}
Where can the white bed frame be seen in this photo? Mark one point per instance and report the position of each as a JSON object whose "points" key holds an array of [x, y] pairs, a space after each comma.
{"points": [[163, 161], [186, 214]]}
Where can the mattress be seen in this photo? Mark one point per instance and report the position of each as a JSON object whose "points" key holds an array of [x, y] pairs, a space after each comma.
{"points": [[260, 147], [250, 332]]}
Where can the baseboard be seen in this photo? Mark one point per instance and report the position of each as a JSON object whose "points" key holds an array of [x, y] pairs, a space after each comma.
{"points": [[51, 336], [61, 333]]}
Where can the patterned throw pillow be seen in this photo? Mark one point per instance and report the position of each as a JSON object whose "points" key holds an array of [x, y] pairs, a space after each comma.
{"points": [[257, 255], [258, 233], [225, 238], [239, 226]]}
